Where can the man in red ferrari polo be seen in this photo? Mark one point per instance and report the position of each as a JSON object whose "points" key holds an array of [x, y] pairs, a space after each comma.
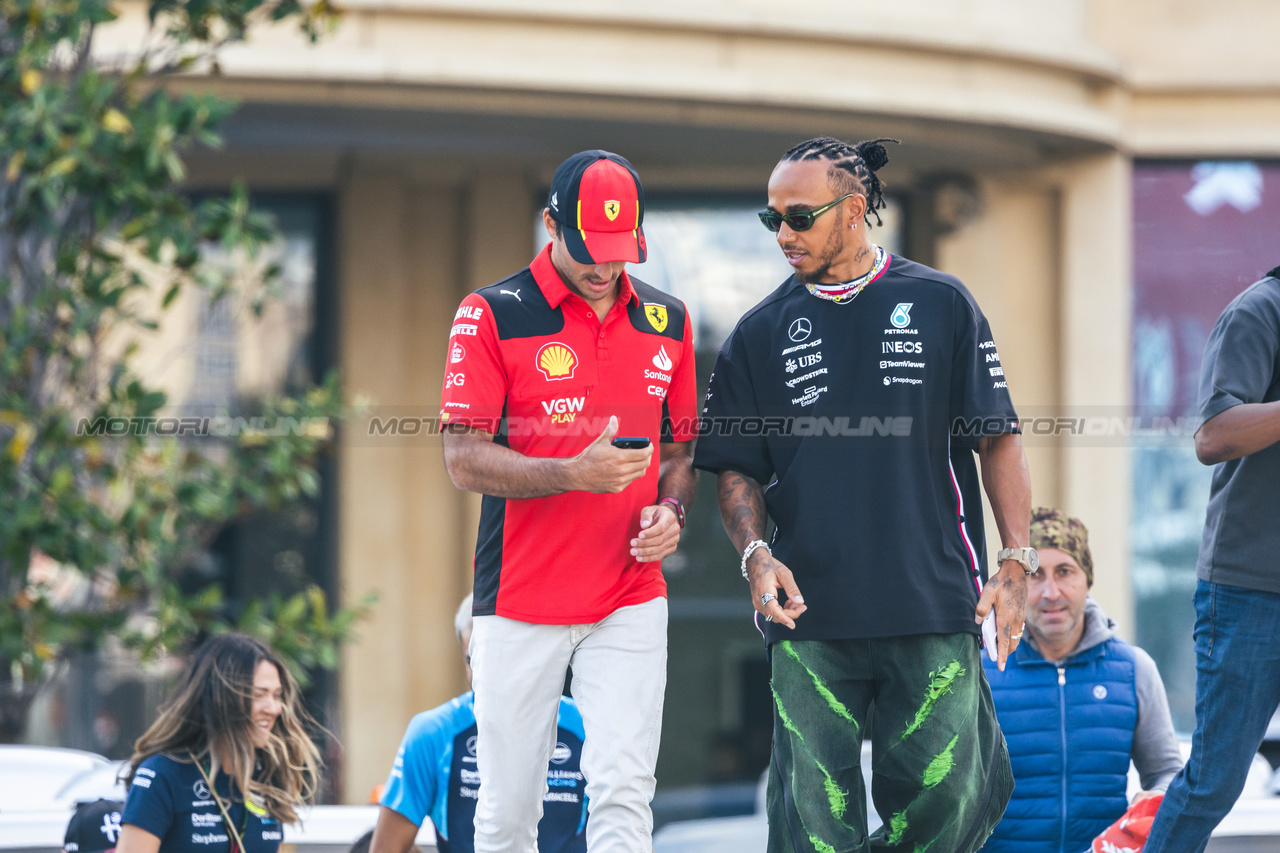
{"points": [[546, 368]]}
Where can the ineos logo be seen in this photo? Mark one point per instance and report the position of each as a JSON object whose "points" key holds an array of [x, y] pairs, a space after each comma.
{"points": [[800, 329]]}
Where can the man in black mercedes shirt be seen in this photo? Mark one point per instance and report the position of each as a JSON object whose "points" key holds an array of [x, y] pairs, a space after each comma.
{"points": [[862, 388]]}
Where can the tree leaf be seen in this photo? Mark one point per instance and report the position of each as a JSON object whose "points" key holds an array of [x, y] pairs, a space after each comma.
{"points": [[60, 167], [31, 80], [15, 166], [114, 121]]}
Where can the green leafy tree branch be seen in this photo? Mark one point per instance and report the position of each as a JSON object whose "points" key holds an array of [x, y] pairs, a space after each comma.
{"points": [[97, 241]]}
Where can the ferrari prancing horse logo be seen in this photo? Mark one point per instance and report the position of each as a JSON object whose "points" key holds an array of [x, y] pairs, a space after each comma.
{"points": [[612, 209], [657, 315]]}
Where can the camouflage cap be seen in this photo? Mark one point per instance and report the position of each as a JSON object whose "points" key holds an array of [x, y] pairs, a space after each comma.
{"points": [[1053, 528]]}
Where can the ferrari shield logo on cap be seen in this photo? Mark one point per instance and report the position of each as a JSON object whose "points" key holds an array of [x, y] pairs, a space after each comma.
{"points": [[612, 209], [657, 315]]}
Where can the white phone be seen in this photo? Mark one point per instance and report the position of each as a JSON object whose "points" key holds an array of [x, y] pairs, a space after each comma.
{"points": [[989, 634]]}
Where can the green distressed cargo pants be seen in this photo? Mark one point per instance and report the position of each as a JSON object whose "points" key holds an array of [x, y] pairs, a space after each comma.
{"points": [[941, 776]]}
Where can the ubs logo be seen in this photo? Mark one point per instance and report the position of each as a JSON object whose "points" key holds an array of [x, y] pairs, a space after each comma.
{"points": [[800, 330]]}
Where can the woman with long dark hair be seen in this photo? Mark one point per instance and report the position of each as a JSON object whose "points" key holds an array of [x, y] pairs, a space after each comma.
{"points": [[226, 762]]}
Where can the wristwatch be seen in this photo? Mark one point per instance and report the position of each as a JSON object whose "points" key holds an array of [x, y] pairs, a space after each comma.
{"points": [[1027, 556], [678, 507]]}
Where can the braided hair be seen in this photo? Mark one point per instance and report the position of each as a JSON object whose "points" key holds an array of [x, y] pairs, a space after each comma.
{"points": [[853, 167]]}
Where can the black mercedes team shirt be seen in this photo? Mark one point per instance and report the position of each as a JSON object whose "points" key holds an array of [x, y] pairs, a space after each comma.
{"points": [[865, 415], [1242, 365]]}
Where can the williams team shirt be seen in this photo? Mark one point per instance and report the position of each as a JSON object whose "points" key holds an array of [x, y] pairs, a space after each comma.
{"points": [[862, 418], [435, 776], [530, 362]]}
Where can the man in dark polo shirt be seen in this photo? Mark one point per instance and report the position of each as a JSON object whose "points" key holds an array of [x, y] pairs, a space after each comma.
{"points": [[862, 388], [1238, 592], [545, 369]]}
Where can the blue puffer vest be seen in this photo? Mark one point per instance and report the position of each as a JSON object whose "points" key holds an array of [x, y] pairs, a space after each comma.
{"points": [[1070, 734]]}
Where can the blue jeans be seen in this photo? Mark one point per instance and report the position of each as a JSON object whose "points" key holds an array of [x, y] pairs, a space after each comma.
{"points": [[1237, 691]]}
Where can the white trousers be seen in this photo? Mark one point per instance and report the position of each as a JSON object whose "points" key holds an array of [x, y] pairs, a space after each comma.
{"points": [[619, 678]]}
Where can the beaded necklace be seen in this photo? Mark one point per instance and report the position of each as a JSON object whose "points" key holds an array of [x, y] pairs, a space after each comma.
{"points": [[846, 291]]}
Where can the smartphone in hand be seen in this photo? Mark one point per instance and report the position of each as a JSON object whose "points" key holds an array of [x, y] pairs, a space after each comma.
{"points": [[631, 443], [989, 634]]}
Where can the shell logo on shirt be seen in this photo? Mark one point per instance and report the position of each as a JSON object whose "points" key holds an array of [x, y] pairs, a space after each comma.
{"points": [[556, 361]]}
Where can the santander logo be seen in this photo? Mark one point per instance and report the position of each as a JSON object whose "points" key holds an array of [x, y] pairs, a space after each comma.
{"points": [[662, 361]]}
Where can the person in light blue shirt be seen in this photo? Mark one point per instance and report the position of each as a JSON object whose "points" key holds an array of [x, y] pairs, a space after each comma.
{"points": [[435, 776]]}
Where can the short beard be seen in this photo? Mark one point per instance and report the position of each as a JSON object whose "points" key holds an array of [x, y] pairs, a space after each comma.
{"points": [[830, 253]]}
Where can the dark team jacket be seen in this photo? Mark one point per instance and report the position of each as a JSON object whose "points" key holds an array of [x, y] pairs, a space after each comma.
{"points": [[862, 418]]}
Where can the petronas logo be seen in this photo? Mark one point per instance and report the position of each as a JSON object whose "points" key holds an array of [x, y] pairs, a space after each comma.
{"points": [[901, 316]]}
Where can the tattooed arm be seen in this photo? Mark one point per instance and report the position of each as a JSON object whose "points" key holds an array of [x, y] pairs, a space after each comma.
{"points": [[742, 511], [1008, 485]]}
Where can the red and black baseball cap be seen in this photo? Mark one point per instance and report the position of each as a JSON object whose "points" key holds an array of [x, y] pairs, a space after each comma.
{"points": [[597, 197]]}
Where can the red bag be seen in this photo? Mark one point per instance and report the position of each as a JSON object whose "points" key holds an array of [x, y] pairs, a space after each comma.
{"points": [[1129, 833]]}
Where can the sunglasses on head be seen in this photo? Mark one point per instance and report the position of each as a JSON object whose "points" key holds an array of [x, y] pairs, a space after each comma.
{"points": [[799, 220]]}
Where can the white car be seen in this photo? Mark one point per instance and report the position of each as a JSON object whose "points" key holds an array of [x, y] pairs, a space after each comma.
{"points": [[43, 778]]}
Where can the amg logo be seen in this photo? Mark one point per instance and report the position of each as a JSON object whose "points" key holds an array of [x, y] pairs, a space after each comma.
{"points": [[564, 409]]}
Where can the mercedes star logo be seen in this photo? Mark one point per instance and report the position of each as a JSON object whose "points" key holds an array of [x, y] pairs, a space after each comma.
{"points": [[800, 329]]}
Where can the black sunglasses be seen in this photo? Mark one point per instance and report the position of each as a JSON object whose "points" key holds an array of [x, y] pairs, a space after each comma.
{"points": [[800, 220]]}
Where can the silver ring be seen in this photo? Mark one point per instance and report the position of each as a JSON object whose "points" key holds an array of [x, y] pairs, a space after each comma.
{"points": [[766, 597], [1015, 636]]}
